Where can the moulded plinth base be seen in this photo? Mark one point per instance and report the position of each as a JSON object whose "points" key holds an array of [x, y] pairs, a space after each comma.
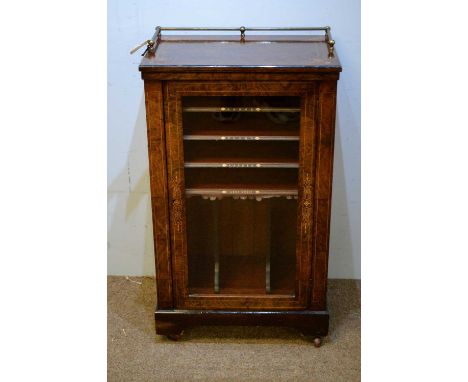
{"points": [[171, 323]]}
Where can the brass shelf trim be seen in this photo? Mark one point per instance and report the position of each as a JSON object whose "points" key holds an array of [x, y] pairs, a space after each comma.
{"points": [[152, 44], [259, 194], [241, 165], [226, 109], [241, 138]]}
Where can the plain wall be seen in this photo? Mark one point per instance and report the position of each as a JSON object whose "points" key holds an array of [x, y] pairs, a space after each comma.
{"points": [[130, 246]]}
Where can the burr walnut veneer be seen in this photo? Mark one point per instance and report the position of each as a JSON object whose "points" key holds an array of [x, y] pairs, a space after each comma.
{"points": [[240, 140]]}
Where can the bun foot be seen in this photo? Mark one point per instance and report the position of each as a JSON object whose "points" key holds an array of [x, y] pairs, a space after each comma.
{"points": [[174, 337], [317, 342]]}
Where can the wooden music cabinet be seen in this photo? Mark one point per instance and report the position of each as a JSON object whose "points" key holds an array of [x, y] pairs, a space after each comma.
{"points": [[240, 140]]}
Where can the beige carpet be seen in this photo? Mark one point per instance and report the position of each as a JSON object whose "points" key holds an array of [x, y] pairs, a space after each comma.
{"points": [[136, 353]]}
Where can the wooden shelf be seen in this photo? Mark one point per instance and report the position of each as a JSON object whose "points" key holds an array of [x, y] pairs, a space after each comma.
{"points": [[241, 192], [242, 178], [193, 137], [209, 164], [249, 154], [232, 103], [227, 109], [248, 125]]}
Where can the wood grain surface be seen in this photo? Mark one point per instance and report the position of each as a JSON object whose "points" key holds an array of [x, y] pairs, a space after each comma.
{"points": [[263, 66]]}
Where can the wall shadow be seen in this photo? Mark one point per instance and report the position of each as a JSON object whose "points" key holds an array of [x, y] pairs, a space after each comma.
{"points": [[341, 256], [127, 218]]}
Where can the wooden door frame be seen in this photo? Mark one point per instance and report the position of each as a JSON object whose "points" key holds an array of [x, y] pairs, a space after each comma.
{"points": [[307, 205]]}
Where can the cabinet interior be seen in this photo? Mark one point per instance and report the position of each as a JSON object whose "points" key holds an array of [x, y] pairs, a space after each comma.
{"points": [[241, 159]]}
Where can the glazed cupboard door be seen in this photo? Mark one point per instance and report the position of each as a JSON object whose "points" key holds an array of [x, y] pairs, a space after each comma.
{"points": [[240, 160]]}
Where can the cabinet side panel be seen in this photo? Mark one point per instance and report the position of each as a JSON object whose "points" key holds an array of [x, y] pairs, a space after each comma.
{"points": [[323, 188], [176, 188], [158, 184]]}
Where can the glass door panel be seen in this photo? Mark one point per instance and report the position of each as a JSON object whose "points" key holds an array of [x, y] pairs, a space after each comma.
{"points": [[241, 159]]}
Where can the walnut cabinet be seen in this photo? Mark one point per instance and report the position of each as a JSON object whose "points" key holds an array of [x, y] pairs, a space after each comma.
{"points": [[240, 142]]}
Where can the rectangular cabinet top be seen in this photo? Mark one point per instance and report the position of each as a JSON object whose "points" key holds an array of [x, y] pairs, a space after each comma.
{"points": [[267, 53]]}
